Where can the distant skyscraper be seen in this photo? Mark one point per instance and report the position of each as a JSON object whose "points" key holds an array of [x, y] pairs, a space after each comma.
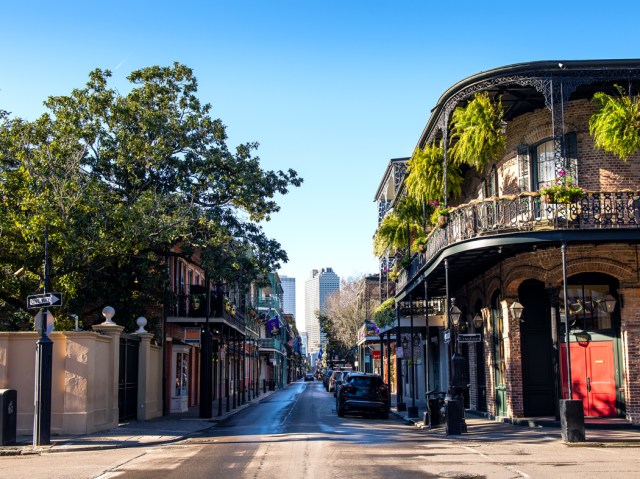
{"points": [[289, 295], [317, 288]]}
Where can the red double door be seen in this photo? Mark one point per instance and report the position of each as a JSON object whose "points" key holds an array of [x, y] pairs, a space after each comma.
{"points": [[592, 376]]}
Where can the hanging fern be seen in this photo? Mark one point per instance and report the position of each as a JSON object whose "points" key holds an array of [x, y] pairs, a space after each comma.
{"points": [[384, 315], [615, 127], [398, 227], [425, 175], [478, 131]]}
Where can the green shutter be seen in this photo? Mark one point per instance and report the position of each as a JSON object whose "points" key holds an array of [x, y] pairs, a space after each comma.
{"points": [[524, 168]]}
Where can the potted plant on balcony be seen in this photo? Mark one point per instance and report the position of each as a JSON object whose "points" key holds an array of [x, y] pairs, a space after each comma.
{"points": [[615, 127], [420, 244], [478, 130], [562, 190], [440, 217]]}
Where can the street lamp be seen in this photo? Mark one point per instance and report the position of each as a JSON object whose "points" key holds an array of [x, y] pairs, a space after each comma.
{"points": [[516, 310], [477, 322], [459, 378]]}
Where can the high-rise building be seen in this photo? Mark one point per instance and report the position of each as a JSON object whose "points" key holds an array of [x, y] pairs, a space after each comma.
{"points": [[289, 295], [318, 287]]}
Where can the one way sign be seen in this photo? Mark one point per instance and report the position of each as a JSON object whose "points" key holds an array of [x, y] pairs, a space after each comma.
{"points": [[44, 300]]}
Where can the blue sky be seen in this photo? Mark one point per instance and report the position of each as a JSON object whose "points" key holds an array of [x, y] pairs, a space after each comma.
{"points": [[332, 89]]}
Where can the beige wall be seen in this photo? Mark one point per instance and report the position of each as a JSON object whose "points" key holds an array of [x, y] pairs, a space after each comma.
{"points": [[83, 381]]}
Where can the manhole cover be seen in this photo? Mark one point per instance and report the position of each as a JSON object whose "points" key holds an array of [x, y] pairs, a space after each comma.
{"points": [[460, 474]]}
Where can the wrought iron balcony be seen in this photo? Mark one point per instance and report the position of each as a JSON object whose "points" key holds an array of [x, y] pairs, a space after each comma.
{"points": [[195, 306], [527, 212], [271, 343]]}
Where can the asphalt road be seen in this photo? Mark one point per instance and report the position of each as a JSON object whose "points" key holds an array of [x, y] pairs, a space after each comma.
{"points": [[295, 433]]}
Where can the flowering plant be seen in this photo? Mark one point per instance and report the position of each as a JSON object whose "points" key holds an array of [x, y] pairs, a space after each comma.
{"points": [[438, 213], [562, 190]]}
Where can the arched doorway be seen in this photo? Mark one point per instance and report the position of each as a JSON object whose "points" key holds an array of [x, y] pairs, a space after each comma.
{"points": [[536, 346], [594, 335]]}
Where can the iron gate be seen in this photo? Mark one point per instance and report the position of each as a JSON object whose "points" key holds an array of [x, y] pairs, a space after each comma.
{"points": [[128, 377]]}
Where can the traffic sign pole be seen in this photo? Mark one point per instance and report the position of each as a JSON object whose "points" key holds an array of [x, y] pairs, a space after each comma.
{"points": [[44, 367]]}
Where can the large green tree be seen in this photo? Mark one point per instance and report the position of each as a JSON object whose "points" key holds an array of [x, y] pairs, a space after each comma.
{"points": [[118, 180]]}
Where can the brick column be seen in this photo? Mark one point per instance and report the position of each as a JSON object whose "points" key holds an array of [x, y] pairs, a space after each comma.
{"points": [[629, 303], [513, 360]]}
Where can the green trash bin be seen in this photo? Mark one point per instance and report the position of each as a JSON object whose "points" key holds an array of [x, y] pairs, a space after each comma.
{"points": [[8, 415]]}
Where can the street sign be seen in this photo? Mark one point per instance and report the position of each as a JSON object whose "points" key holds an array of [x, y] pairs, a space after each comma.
{"points": [[470, 338], [447, 336], [44, 300]]}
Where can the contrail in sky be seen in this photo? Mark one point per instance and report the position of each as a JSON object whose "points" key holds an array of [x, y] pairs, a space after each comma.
{"points": [[120, 64]]}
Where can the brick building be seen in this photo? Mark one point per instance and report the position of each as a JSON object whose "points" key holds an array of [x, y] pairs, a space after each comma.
{"points": [[505, 245]]}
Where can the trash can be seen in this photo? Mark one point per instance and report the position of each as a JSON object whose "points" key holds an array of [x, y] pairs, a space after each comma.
{"points": [[8, 415], [434, 409]]}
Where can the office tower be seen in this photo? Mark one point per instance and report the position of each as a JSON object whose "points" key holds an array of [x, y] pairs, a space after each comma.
{"points": [[289, 295], [318, 287]]}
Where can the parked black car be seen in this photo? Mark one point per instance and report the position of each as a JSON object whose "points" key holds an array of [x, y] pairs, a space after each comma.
{"points": [[363, 393]]}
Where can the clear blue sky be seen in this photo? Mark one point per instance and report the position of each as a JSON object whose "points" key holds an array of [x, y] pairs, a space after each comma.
{"points": [[332, 88]]}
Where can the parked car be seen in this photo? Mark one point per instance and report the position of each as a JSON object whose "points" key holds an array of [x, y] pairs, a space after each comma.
{"points": [[363, 393], [339, 382], [309, 377], [326, 377], [335, 376]]}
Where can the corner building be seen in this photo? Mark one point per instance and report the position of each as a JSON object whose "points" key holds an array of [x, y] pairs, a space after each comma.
{"points": [[506, 243]]}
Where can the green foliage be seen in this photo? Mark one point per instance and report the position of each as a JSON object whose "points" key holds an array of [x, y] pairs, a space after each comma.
{"points": [[399, 227], [437, 213], [119, 180], [384, 315], [425, 176], [478, 131], [615, 127]]}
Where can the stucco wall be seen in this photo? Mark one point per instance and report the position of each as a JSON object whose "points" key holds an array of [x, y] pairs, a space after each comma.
{"points": [[83, 382]]}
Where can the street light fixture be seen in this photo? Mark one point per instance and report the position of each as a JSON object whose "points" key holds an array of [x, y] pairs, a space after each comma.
{"points": [[477, 321], [516, 309], [455, 313]]}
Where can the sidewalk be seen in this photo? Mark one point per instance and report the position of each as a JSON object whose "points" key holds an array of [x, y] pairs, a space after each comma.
{"points": [[161, 430], [598, 431], [176, 427]]}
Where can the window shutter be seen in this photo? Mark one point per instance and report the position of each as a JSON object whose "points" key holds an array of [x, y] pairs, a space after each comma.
{"points": [[571, 154], [524, 168]]}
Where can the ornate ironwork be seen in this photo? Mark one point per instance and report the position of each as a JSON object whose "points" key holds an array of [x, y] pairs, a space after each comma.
{"points": [[399, 170], [524, 213]]}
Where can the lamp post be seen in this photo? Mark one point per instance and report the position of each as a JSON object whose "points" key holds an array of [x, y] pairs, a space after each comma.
{"points": [[458, 379]]}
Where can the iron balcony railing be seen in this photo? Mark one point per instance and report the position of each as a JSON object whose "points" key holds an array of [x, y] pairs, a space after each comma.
{"points": [[527, 212], [195, 305], [271, 343]]}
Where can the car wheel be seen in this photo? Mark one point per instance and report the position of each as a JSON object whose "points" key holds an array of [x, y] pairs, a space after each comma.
{"points": [[340, 412], [385, 415]]}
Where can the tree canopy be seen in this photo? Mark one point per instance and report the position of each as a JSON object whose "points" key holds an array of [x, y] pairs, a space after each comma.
{"points": [[120, 180]]}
